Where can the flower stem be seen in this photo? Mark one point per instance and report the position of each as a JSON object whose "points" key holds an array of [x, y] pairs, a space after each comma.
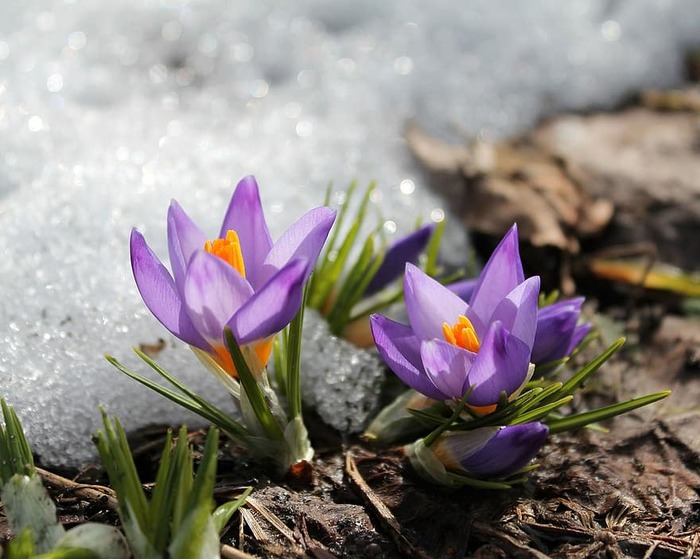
{"points": [[432, 437], [250, 386], [293, 361]]}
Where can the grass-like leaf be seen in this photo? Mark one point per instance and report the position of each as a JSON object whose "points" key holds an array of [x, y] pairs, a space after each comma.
{"points": [[14, 448], [178, 518], [546, 299], [433, 249], [467, 481], [186, 397], [354, 285], [279, 360], [377, 303], [571, 385], [196, 537], [459, 408], [317, 284], [119, 463], [252, 389], [541, 412], [292, 360], [224, 512], [332, 263], [433, 418], [22, 547], [583, 419]]}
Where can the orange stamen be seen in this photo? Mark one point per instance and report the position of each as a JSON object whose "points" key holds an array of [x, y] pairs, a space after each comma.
{"points": [[229, 250], [462, 334]]}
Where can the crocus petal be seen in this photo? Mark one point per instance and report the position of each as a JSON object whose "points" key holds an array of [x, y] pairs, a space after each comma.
{"points": [[452, 448], [518, 311], [447, 366], [273, 307], [160, 294], [501, 274], [406, 249], [558, 331], [501, 365], [245, 216], [400, 350], [303, 239], [508, 451], [429, 304], [213, 292], [184, 238], [580, 333], [463, 288]]}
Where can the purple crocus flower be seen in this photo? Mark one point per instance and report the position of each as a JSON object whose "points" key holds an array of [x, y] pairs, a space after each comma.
{"points": [[558, 331], [406, 249], [451, 346], [241, 280], [490, 452]]}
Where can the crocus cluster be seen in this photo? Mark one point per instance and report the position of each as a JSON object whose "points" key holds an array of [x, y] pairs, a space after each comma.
{"points": [[477, 353]]}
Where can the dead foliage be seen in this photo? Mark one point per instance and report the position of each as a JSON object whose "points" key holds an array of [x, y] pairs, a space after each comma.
{"points": [[624, 182]]}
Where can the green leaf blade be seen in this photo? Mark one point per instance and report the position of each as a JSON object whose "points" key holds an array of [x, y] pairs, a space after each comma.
{"points": [[607, 412]]}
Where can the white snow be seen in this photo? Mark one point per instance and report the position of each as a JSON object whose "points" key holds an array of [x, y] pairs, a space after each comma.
{"points": [[109, 109]]}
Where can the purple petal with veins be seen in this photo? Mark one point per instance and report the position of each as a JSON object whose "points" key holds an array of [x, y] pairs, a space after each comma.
{"points": [[463, 288], [429, 304], [400, 350], [273, 306], [214, 291], [501, 274], [447, 367], [184, 238], [406, 249], [558, 331], [245, 216], [304, 239], [501, 365], [518, 311], [505, 453], [160, 293]]}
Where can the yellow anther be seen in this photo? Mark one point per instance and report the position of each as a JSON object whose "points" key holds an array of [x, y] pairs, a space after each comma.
{"points": [[462, 334], [228, 249]]}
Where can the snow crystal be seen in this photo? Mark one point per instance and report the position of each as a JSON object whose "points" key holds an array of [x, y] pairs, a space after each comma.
{"points": [[340, 381], [109, 109]]}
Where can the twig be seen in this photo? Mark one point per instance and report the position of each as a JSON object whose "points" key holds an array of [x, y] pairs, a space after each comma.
{"points": [[312, 547], [268, 515], [241, 531], [650, 552], [508, 543], [692, 547], [386, 518], [229, 552], [676, 543], [93, 493], [258, 532]]}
